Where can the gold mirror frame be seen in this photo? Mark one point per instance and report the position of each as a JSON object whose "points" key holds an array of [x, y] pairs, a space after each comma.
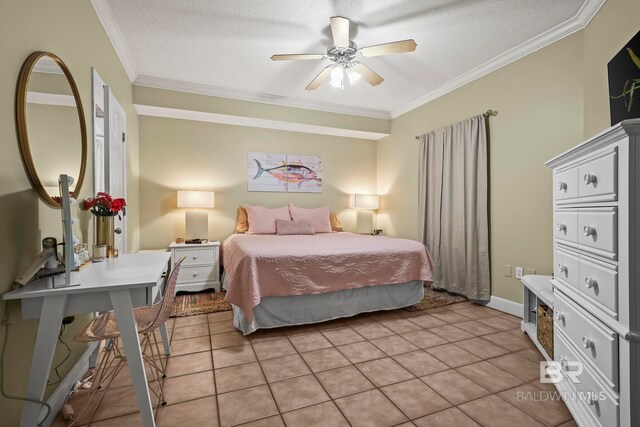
{"points": [[21, 124]]}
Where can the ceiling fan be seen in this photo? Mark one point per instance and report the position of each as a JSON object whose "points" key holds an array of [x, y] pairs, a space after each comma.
{"points": [[344, 52]]}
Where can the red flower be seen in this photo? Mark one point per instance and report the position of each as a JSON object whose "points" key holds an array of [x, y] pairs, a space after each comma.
{"points": [[117, 205], [104, 205]]}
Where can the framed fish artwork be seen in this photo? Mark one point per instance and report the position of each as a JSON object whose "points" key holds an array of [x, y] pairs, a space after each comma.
{"points": [[624, 82], [284, 173]]}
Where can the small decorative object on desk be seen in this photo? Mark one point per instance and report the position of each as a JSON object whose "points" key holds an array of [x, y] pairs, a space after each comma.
{"points": [[81, 250], [378, 232], [105, 207]]}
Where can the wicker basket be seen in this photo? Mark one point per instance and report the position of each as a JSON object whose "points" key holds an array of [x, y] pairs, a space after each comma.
{"points": [[544, 327]]}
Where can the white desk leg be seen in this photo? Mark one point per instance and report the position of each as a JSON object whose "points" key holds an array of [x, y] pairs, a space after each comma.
{"points": [[48, 329], [123, 307], [164, 333]]}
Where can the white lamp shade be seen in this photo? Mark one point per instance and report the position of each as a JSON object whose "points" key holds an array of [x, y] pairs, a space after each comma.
{"points": [[195, 199], [364, 201]]}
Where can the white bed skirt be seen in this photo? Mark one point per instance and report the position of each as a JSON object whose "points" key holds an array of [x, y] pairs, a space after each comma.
{"points": [[273, 312]]}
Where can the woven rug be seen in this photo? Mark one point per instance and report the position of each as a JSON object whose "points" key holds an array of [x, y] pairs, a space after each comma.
{"points": [[193, 303], [435, 298]]}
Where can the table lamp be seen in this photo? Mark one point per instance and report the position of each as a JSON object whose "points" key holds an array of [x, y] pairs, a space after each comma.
{"points": [[196, 220], [364, 204]]}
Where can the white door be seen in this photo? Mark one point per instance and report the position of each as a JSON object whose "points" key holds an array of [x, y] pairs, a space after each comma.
{"points": [[116, 166], [99, 153]]}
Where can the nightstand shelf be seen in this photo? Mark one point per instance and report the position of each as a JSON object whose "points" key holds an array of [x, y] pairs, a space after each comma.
{"points": [[201, 267]]}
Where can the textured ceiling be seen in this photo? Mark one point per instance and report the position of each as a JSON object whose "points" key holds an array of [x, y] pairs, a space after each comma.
{"points": [[228, 43]]}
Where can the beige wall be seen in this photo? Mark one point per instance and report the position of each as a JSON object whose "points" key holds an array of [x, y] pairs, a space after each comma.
{"points": [[547, 102], [185, 155], [71, 30]]}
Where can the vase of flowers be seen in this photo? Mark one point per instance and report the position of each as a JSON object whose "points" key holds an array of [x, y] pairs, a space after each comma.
{"points": [[105, 208]]}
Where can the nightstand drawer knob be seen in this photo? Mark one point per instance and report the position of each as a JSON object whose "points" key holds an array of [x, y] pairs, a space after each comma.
{"points": [[589, 230], [195, 274], [587, 342], [590, 179], [195, 257], [561, 227], [562, 186], [562, 268], [559, 316], [590, 282]]}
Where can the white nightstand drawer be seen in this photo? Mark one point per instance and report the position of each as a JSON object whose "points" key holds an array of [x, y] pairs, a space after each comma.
{"points": [[196, 256], [598, 231], [566, 226], [599, 177], [567, 268], [197, 274], [596, 342], [599, 283], [565, 184]]}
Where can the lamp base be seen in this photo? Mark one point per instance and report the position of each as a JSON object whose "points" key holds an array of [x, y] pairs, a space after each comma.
{"points": [[364, 222], [197, 224]]}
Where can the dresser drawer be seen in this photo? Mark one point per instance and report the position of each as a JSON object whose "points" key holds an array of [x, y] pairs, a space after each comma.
{"points": [[197, 274], [598, 231], [598, 177], [204, 256], [599, 284], [565, 184], [567, 268], [590, 393], [596, 342], [566, 225]]}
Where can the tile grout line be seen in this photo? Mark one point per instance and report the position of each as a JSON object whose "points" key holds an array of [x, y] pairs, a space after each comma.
{"points": [[213, 373]]}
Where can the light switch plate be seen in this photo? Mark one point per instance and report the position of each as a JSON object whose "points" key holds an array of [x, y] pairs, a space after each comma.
{"points": [[519, 272], [507, 270]]}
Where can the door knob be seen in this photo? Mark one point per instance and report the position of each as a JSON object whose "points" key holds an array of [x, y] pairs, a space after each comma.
{"points": [[118, 230]]}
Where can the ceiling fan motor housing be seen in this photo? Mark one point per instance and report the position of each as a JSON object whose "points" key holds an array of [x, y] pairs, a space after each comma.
{"points": [[342, 55]]}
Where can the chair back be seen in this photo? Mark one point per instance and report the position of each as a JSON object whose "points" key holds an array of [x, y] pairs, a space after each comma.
{"points": [[159, 312]]}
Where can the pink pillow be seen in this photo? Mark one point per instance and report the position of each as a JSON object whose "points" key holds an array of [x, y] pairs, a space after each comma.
{"points": [[263, 220], [319, 217], [285, 228]]}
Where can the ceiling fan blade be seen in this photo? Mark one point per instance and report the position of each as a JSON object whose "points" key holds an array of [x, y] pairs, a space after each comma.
{"points": [[340, 31], [296, 56], [321, 77], [387, 48], [373, 78]]}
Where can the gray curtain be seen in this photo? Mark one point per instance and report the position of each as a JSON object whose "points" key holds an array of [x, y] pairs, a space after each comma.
{"points": [[453, 207]]}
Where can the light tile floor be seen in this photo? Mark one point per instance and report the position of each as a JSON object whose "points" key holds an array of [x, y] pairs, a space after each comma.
{"points": [[460, 365]]}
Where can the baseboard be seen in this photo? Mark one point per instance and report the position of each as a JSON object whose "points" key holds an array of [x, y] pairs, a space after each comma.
{"points": [[505, 305], [57, 399]]}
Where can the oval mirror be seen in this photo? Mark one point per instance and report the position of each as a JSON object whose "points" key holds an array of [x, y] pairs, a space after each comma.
{"points": [[51, 127]]}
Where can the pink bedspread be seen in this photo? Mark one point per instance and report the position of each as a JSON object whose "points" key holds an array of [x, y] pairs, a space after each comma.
{"points": [[268, 265]]}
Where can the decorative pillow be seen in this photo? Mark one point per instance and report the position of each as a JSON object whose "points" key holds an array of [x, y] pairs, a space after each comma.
{"points": [[263, 220], [336, 225], [319, 217], [285, 228], [242, 222]]}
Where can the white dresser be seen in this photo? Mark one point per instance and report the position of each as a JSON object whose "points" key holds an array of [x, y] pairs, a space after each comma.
{"points": [[596, 252], [201, 268]]}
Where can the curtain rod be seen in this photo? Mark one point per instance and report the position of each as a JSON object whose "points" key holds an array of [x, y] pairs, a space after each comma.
{"points": [[486, 115]]}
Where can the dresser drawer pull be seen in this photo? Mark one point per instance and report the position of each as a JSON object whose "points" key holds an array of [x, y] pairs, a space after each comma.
{"points": [[589, 230], [562, 185], [559, 316], [587, 342], [562, 268], [590, 282], [590, 179], [195, 274], [561, 227], [195, 257], [591, 400]]}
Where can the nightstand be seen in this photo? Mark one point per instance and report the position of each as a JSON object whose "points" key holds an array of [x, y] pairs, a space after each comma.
{"points": [[201, 268]]}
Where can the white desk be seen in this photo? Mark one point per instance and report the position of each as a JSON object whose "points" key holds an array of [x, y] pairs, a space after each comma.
{"points": [[116, 283]]}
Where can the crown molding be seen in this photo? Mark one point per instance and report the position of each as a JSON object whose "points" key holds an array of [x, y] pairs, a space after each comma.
{"points": [[201, 116], [108, 21], [48, 66], [50, 99], [264, 98], [576, 23]]}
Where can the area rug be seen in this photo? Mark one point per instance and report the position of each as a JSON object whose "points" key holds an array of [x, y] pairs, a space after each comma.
{"points": [[193, 303], [435, 298]]}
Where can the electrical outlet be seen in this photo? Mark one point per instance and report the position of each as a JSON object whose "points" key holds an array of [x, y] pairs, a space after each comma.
{"points": [[507, 270], [519, 272]]}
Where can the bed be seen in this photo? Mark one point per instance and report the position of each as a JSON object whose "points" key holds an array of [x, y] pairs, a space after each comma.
{"points": [[274, 280]]}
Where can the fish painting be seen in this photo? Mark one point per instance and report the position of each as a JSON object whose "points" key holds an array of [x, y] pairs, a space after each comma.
{"points": [[294, 173], [284, 173]]}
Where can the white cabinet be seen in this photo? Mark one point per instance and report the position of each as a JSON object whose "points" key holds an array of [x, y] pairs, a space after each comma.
{"points": [[596, 247], [201, 266]]}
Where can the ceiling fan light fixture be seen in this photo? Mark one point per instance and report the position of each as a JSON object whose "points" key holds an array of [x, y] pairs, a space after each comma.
{"points": [[353, 76], [337, 77]]}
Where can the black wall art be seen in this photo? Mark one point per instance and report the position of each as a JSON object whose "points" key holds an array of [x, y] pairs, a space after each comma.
{"points": [[624, 82]]}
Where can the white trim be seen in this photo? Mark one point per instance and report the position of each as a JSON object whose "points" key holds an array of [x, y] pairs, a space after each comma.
{"points": [[47, 65], [201, 116], [108, 21], [59, 396], [265, 98], [576, 23], [51, 99], [505, 305]]}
